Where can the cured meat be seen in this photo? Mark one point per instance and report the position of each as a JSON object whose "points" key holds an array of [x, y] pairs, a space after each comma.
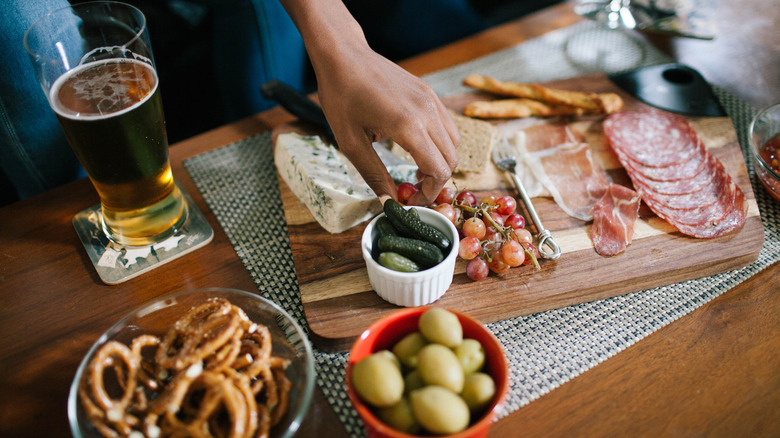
{"points": [[614, 217], [563, 163], [675, 174], [655, 138]]}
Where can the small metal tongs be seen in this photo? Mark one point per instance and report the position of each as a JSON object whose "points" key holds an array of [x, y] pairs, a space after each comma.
{"points": [[504, 158]]}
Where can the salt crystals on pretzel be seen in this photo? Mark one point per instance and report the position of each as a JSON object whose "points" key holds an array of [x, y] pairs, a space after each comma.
{"points": [[212, 374]]}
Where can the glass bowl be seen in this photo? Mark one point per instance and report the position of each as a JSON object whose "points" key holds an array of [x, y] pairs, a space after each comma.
{"points": [[765, 129], [155, 318], [387, 331]]}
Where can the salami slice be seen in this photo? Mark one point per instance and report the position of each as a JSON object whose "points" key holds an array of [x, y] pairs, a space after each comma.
{"points": [[732, 220], [675, 174], [656, 138], [690, 184], [705, 188]]}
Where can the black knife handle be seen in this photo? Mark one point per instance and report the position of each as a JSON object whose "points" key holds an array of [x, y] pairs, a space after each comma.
{"points": [[295, 102]]}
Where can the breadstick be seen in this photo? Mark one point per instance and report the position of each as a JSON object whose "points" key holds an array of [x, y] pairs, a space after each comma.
{"points": [[515, 108], [594, 103]]}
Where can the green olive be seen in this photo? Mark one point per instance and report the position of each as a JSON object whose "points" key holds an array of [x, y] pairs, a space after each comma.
{"points": [[412, 381], [407, 348], [389, 356], [377, 380], [400, 417], [438, 365], [471, 355], [439, 410], [478, 390], [441, 326]]}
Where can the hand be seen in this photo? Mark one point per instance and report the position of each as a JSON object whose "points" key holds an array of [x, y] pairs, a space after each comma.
{"points": [[367, 98]]}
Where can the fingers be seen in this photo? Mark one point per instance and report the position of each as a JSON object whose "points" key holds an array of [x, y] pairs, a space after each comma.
{"points": [[435, 152], [361, 154]]}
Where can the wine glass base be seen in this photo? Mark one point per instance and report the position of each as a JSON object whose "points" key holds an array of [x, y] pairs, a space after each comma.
{"points": [[685, 18], [116, 263]]}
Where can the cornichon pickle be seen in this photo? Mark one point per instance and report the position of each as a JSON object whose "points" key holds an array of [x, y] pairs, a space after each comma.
{"points": [[384, 227], [423, 253], [397, 262], [410, 224]]}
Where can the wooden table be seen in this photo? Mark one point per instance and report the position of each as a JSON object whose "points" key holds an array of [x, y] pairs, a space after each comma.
{"points": [[714, 372]]}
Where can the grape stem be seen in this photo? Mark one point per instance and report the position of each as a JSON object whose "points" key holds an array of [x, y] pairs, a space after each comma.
{"points": [[506, 232]]}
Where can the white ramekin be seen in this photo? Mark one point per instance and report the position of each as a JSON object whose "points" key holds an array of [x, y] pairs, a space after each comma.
{"points": [[411, 289]]}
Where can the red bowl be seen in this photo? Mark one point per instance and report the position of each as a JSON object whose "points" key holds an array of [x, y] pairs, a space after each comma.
{"points": [[383, 334]]}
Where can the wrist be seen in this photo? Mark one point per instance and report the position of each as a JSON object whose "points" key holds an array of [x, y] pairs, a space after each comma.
{"points": [[329, 31]]}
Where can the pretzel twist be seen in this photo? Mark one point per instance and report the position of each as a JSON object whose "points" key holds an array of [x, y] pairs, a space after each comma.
{"points": [[211, 374]]}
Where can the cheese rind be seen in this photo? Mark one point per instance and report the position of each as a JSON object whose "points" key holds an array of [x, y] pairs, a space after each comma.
{"points": [[325, 181]]}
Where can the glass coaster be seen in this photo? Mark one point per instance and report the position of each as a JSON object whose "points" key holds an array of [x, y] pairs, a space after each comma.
{"points": [[116, 263]]}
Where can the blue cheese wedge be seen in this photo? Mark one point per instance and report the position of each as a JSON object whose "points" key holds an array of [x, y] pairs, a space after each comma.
{"points": [[325, 181]]}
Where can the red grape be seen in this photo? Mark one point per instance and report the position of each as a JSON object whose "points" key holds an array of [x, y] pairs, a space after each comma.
{"points": [[405, 192], [506, 205], [477, 269], [448, 211], [530, 247], [492, 234], [515, 221], [466, 198], [513, 253], [497, 263], [446, 196], [469, 248], [497, 218], [489, 200], [474, 227], [523, 236]]}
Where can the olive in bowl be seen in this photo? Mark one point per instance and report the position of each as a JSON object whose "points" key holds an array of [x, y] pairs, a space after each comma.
{"points": [[432, 274], [429, 388]]}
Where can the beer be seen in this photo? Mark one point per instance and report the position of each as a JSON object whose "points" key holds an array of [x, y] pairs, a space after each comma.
{"points": [[112, 115]]}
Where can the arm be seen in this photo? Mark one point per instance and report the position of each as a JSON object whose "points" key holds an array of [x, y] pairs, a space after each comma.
{"points": [[367, 97]]}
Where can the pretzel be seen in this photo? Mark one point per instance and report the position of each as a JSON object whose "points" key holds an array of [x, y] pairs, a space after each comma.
{"points": [[212, 374], [591, 103], [186, 344]]}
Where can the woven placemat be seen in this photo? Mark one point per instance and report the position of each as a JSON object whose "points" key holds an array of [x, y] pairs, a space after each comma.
{"points": [[545, 350]]}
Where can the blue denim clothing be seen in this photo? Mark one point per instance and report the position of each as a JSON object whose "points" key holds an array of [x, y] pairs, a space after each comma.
{"points": [[34, 154], [253, 41]]}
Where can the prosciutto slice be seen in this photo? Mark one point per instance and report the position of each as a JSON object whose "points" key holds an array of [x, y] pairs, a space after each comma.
{"points": [[563, 163], [614, 217], [674, 173]]}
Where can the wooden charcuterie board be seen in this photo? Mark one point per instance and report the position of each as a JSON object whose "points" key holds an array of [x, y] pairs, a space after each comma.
{"points": [[339, 303]]}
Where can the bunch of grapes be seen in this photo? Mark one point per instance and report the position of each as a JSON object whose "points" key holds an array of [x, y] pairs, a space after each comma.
{"points": [[493, 234]]}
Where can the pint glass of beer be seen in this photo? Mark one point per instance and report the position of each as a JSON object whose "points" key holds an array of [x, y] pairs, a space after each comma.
{"points": [[94, 62]]}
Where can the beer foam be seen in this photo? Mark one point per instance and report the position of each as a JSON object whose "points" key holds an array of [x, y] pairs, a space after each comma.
{"points": [[98, 93]]}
